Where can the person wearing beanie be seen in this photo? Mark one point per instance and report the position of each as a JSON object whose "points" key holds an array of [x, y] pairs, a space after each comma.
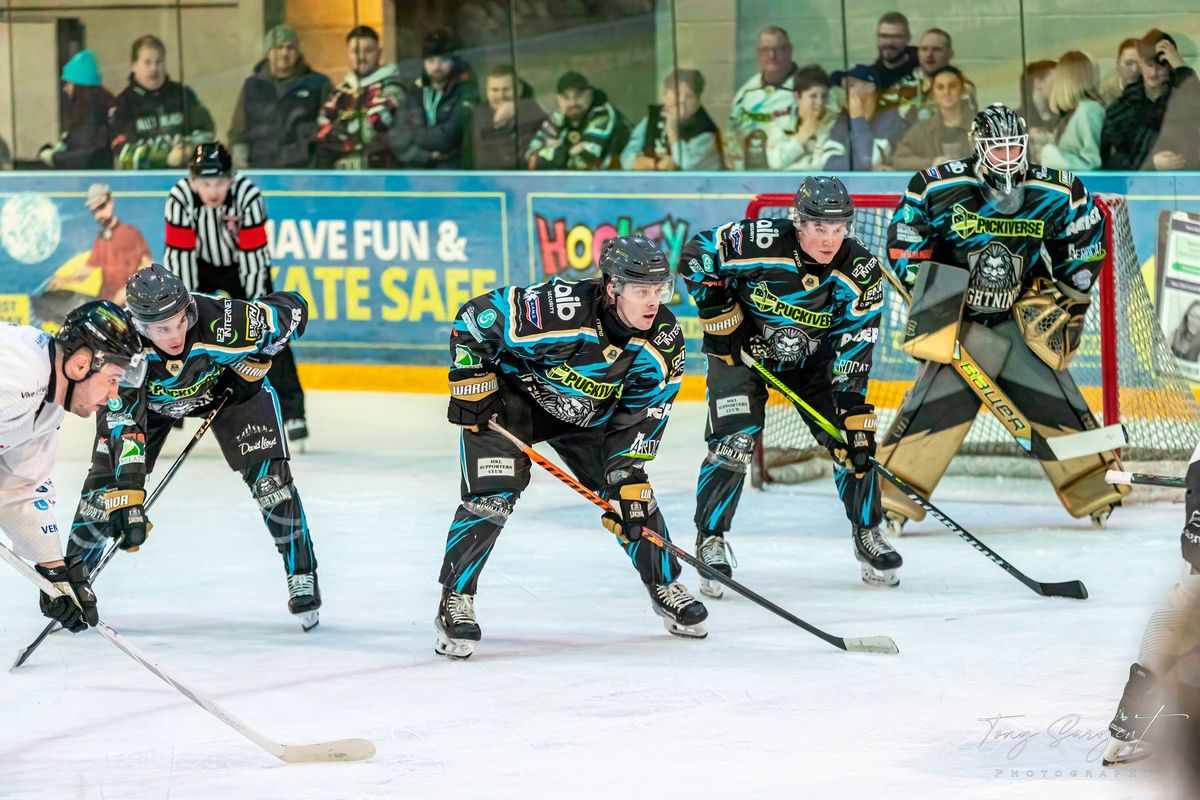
{"points": [[275, 118], [84, 143], [440, 105], [586, 132]]}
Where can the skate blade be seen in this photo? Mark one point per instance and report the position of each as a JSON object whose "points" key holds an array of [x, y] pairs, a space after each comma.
{"points": [[308, 620], [711, 588], [453, 649], [1121, 752], [878, 578], [697, 631]]}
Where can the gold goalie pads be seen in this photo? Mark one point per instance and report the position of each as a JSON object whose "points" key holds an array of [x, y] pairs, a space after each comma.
{"points": [[935, 314], [1043, 321]]}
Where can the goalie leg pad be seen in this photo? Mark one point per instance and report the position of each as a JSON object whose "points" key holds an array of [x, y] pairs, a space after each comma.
{"points": [[271, 486], [935, 313]]}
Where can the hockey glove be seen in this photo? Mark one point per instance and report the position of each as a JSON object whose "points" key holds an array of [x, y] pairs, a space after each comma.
{"points": [[1076, 312], [241, 380], [75, 608], [474, 398], [723, 333], [127, 521], [634, 507], [857, 447]]}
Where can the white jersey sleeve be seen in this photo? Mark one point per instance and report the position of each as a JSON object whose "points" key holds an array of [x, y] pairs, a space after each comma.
{"points": [[28, 440]]}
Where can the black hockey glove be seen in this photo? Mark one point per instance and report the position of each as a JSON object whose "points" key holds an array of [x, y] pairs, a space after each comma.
{"points": [[127, 521], [242, 380], [724, 333], [75, 608], [634, 507], [857, 447], [474, 398]]}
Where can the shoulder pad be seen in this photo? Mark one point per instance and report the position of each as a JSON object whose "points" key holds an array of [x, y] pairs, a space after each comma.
{"points": [[757, 237]]}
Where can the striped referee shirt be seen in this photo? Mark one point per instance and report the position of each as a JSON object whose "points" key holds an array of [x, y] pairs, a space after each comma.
{"points": [[234, 235]]}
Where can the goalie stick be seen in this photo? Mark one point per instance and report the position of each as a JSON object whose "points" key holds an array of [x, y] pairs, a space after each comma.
{"points": [[1116, 476], [1053, 448], [867, 644], [1072, 589], [52, 626], [336, 750]]}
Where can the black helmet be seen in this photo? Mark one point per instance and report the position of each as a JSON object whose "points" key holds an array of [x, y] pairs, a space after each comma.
{"points": [[822, 197], [1000, 126], [155, 294], [211, 160], [106, 329], [634, 259]]}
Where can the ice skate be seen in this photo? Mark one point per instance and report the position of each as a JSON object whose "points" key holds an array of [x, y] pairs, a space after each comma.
{"points": [[456, 628], [1134, 714], [712, 549], [1100, 517], [877, 560], [297, 433], [895, 522], [304, 599], [682, 614]]}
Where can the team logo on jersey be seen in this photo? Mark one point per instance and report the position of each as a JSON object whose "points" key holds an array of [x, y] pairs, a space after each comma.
{"points": [[486, 319], [967, 223], [786, 344], [995, 278], [767, 302], [612, 353], [810, 282], [174, 366], [533, 310]]}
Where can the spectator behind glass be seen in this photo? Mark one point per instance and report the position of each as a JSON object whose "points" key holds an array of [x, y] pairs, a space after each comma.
{"points": [[586, 132], [1134, 121], [353, 125], [764, 109], [1076, 99], [942, 137], [897, 59], [440, 104], [873, 130], [84, 143], [915, 98], [677, 135], [1036, 84], [275, 119], [817, 144], [155, 122], [1128, 70], [1178, 146], [503, 127]]}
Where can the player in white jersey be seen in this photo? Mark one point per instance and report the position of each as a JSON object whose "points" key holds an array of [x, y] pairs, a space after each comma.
{"points": [[41, 379]]}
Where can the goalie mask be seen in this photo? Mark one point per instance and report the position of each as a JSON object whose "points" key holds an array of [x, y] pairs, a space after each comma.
{"points": [[1001, 144]]}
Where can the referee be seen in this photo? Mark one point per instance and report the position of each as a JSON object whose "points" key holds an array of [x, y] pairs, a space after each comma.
{"points": [[217, 242]]}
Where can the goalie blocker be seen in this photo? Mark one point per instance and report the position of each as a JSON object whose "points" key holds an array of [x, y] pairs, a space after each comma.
{"points": [[1026, 357]]}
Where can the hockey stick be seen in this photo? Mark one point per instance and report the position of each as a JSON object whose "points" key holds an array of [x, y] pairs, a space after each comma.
{"points": [[1116, 476], [1054, 448], [24, 653], [1072, 589], [337, 750], [868, 644]]}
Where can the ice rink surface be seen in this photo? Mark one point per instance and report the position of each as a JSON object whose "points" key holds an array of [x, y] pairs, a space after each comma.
{"points": [[576, 689]]}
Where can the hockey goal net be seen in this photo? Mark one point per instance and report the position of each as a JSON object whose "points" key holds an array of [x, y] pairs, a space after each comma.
{"points": [[1124, 366]]}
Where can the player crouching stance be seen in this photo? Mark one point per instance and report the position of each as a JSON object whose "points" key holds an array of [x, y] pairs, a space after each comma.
{"points": [[41, 379], [803, 298], [981, 228], [200, 348], [591, 368], [1169, 648]]}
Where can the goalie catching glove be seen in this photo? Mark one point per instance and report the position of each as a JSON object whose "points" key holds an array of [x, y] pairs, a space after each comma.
{"points": [[857, 448], [75, 608], [474, 398], [1050, 319], [127, 521], [723, 333], [634, 507]]}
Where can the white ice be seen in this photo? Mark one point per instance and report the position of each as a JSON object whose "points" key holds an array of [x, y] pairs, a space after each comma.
{"points": [[576, 689]]}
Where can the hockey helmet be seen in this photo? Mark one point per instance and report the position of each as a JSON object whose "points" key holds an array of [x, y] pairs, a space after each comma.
{"points": [[1001, 144], [822, 198], [155, 294], [636, 259], [211, 160], [107, 330]]}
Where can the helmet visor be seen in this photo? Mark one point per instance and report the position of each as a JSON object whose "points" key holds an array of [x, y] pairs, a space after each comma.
{"points": [[133, 368], [660, 291]]}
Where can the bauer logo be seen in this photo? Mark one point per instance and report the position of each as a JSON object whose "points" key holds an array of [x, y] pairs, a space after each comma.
{"points": [[495, 467]]}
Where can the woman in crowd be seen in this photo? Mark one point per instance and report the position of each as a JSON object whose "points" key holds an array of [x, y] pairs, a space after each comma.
{"points": [[84, 143], [1075, 97], [1128, 69], [943, 136], [677, 135]]}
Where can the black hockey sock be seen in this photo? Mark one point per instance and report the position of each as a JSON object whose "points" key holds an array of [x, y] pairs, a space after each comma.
{"points": [[473, 533]]}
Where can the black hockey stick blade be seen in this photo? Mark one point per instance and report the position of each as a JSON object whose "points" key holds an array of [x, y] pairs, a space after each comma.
{"points": [[25, 652], [1072, 589]]}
